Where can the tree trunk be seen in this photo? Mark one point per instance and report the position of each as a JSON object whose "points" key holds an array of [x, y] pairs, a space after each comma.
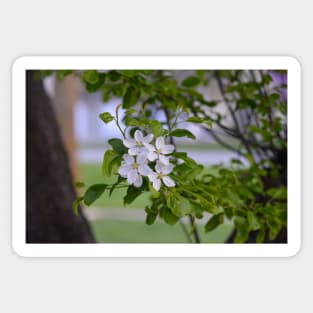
{"points": [[49, 186]]}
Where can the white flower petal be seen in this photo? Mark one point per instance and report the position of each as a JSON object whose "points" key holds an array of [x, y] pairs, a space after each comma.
{"points": [[168, 181], [142, 158], [128, 159], [157, 184], [132, 176], [159, 142], [152, 156], [138, 136], [144, 169], [168, 169], [149, 147], [133, 151], [147, 139], [164, 159], [129, 143], [138, 181], [166, 149], [163, 168], [124, 170], [152, 176]]}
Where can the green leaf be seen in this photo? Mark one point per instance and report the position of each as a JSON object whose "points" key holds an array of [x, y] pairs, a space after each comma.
{"points": [[75, 205], [214, 221], [132, 193], [93, 80], [178, 205], [152, 214], [90, 77], [112, 188], [118, 146], [242, 229], [93, 193], [114, 75], [278, 193], [106, 117], [195, 119], [168, 216], [131, 97], [131, 121], [157, 128], [108, 158], [199, 120], [182, 133], [191, 81], [252, 220]]}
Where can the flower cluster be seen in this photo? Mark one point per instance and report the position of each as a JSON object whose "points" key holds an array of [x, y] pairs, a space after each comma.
{"points": [[141, 153]]}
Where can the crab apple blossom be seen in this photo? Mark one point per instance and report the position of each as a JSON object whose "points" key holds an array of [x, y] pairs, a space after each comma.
{"points": [[133, 168], [160, 176], [160, 151], [140, 144]]}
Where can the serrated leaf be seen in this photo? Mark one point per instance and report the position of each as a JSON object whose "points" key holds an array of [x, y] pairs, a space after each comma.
{"points": [[131, 97], [191, 81], [132, 193], [214, 221], [118, 146], [93, 193], [182, 133], [106, 117]]}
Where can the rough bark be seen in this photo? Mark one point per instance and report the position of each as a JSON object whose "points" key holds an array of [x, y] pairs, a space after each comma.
{"points": [[49, 187]]}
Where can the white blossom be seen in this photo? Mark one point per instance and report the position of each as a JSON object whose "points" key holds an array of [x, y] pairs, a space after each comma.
{"points": [[160, 176], [160, 151], [140, 144], [133, 168]]}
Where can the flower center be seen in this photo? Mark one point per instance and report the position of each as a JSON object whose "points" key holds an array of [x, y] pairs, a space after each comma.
{"points": [[139, 144], [135, 166], [161, 175], [159, 151]]}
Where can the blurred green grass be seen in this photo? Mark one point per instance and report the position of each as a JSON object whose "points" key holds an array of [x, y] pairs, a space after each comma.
{"points": [[139, 232]]}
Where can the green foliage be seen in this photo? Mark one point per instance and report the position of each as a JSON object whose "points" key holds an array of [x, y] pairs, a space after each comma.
{"points": [[182, 133], [93, 193], [253, 196], [111, 162], [131, 96], [214, 221], [131, 194], [191, 81], [118, 146], [106, 117]]}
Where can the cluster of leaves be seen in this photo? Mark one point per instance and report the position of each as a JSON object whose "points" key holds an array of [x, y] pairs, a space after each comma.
{"points": [[254, 197]]}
